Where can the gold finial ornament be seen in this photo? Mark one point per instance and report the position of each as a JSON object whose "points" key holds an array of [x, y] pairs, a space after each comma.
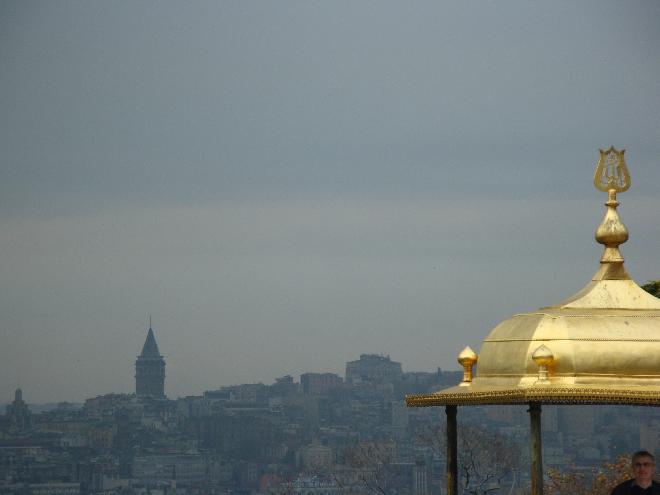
{"points": [[611, 172], [612, 176], [544, 358], [467, 358]]}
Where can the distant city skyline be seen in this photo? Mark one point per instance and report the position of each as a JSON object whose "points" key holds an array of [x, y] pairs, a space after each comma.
{"points": [[287, 185], [150, 383]]}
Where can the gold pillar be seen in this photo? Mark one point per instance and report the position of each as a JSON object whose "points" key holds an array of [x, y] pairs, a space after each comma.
{"points": [[452, 451], [535, 441]]}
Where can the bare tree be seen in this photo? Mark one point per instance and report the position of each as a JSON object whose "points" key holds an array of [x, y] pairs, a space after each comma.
{"points": [[485, 458], [368, 462]]}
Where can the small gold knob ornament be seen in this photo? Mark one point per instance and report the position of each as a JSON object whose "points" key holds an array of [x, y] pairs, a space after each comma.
{"points": [[467, 358]]}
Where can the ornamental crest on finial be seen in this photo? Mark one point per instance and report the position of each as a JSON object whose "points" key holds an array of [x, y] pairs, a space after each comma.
{"points": [[612, 172]]}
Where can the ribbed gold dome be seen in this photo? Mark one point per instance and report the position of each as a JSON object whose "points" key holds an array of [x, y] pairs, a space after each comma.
{"points": [[601, 345], [608, 334]]}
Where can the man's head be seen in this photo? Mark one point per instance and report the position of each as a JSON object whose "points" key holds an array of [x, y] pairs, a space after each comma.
{"points": [[643, 466]]}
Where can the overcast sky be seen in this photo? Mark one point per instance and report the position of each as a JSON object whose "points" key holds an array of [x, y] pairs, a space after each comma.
{"points": [[284, 185]]}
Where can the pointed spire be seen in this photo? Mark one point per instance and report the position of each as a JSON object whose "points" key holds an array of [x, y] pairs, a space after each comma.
{"points": [[150, 369], [150, 348]]}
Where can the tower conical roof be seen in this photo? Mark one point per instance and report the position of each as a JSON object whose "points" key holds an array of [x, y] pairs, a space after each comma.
{"points": [[601, 345], [150, 348]]}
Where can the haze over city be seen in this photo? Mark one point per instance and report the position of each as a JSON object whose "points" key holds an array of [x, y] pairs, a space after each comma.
{"points": [[283, 186]]}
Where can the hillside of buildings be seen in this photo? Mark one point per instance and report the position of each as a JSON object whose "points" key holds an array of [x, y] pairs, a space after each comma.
{"points": [[319, 434]]}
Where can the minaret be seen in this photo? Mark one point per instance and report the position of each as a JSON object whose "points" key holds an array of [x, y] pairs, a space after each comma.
{"points": [[150, 369]]}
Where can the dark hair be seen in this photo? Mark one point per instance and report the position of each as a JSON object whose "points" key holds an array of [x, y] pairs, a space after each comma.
{"points": [[642, 453]]}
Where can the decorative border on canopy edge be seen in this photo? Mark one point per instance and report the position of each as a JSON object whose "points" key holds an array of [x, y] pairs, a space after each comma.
{"points": [[544, 396]]}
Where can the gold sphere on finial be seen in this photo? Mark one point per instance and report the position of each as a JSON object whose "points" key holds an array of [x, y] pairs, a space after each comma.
{"points": [[467, 358], [543, 358]]}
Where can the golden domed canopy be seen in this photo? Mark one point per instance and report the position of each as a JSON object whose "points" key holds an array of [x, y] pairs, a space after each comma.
{"points": [[601, 345]]}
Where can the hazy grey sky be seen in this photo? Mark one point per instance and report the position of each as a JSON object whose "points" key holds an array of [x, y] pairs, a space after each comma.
{"points": [[284, 185]]}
